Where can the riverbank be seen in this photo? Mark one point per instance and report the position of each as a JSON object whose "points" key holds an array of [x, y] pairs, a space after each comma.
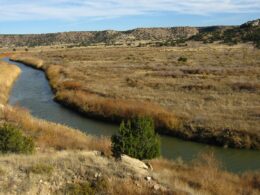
{"points": [[8, 75], [100, 104], [65, 158]]}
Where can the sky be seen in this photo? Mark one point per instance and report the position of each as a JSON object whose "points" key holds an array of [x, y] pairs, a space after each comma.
{"points": [[45, 16]]}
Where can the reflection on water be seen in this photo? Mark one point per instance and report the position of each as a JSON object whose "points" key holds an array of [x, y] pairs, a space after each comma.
{"points": [[33, 92]]}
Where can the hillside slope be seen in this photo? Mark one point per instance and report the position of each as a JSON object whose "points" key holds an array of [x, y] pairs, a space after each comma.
{"points": [[108, 37], [247, 32]]}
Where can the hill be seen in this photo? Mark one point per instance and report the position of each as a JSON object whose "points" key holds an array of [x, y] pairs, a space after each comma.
{"points": [[106, 37], [247, 32]]}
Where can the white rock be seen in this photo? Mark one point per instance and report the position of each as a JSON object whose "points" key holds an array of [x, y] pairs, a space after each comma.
{"points": [[133, 162]]}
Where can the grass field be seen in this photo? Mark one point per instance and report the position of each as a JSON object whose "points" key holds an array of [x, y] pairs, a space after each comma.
{"points": [[209, 93], [65, 162]]}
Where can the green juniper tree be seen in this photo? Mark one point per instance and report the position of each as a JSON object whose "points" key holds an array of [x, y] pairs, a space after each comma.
{"points": [[13, 141], [137, 139]]}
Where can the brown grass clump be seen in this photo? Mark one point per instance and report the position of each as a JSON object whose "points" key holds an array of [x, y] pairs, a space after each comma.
{"points": [[51, 135], [30, 61], [72, 85], [246, 86], [129, 187], [5, 54], [53, 73], [8, 74], [116, 109], [204, 176]]}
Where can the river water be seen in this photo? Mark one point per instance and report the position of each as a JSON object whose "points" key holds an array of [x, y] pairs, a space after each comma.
{"points": [[33, 92]]}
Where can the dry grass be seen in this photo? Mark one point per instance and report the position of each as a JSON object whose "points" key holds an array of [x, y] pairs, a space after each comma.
{"points": [[52, 172], [48, 171], [204, 176], [214, 91], [116, 109], [8, 74], [30, 61], [51, 135]]}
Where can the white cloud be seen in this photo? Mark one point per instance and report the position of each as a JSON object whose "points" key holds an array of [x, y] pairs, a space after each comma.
{"points": [[74, 9]]}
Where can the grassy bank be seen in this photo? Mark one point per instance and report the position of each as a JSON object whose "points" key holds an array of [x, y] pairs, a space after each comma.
{"points": [[66, 163], [213, 97], [30, 61], [8, 74]]}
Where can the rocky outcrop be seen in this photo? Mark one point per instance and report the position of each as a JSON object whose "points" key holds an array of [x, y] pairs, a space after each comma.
{"points": [[254, 23]]}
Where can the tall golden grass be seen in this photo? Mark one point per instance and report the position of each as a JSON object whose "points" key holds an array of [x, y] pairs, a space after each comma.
{"points": [[51, 135], [8, 74], [205, 176], [30, 61], [116, 109]]}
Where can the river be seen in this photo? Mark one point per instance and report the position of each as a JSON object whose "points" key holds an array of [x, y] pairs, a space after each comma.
{"points": [[33, 92]]}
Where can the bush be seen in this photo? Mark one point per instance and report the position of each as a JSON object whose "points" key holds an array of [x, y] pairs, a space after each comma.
{"points": [[257, 44], [137, 139], [86, 188], [40, 169], [182, 59], [79, 189], [12, 140]]}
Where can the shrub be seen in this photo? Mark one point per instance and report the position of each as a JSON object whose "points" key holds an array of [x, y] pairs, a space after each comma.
{"points": [[86, 188], [40, 169], [12, 140], [79, 189], [257, 44], [182, 59], [137, 139]]}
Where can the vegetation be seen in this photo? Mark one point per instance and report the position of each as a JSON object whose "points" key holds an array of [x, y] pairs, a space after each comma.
{"points": [[182, 59], [86, 188], [50, 135], [51, 171], [116, 38], [13, 141], [137, 139], [248, 32], [33, 62], [8, 74], [200, 176], [74, 172], [195, 100], [40, 168]]}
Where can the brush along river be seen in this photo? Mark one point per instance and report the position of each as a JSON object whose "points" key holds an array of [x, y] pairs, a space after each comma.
{"points": [[33, 92]]}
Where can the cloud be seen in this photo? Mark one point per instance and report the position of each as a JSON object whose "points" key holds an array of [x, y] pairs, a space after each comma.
{"points": [[93, 9]]}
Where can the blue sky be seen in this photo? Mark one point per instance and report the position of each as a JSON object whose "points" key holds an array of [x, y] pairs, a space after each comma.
{"points": [[42, 16]]}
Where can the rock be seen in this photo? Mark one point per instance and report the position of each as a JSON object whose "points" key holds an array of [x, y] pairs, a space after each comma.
{"points": [[133, 162], [148, 178]]}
